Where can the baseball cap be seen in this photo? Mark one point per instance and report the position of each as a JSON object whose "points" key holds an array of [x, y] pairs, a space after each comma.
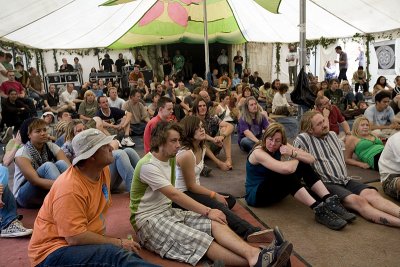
{"points": [[47, 113], [87, 142]]}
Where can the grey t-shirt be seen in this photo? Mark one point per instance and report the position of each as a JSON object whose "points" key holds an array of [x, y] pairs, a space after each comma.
{"points": [[19, 179]]}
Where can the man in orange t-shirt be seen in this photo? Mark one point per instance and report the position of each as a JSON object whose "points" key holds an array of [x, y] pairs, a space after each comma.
{"points": [[70, 226]]}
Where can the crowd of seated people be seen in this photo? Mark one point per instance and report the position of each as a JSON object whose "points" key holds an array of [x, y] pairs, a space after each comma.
{"points": [[202, 116]]}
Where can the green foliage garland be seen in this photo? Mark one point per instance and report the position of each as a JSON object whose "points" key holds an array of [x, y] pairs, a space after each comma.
{"points": [[278, 59]]}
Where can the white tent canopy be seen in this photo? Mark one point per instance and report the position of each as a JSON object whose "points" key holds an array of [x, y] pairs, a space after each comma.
{"points": [[71, 24]]}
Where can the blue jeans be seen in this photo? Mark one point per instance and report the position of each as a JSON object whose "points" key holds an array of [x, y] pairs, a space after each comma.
{"points": [[246, 144], [123, 167], [9, 211], [94, 255], [30, 196]]}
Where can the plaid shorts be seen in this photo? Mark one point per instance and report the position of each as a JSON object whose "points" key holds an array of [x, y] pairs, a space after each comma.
{"points": [[390, 186], [176, 234]]}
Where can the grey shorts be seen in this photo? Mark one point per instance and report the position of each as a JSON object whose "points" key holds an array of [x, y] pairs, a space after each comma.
{"points": [[183, 236], [352, 187], [390, 186]]}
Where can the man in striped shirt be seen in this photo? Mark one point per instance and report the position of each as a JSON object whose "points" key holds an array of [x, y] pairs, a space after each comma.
{"points": [[324, 145]]}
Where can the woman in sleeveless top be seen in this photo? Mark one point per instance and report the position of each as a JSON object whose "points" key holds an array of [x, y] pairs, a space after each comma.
{"points": [[189, 164], [223, 111], [364, 144], [269, 179]]}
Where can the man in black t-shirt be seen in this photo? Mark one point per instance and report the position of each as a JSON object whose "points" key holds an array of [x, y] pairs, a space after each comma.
{"points": [[65, 67], [238, 60], [120, 62], [107, 63], [140, 62], [51, 101], [113, 120]]}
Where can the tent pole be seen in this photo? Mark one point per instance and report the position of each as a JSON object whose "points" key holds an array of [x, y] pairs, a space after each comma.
{"points": [[206, 51], [302, 25]]}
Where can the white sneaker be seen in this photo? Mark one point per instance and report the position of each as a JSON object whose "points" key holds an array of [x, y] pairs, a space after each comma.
{"points": [[127, 141], [15, 229]]}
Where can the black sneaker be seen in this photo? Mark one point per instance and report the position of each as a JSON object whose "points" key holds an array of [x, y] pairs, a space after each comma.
{"points": [[275, 256], [334, 205], [279, 238], [206, 171], [326, 217]]}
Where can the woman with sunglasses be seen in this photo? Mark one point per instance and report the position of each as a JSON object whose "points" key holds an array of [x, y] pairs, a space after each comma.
{"points": [[269, 179]]}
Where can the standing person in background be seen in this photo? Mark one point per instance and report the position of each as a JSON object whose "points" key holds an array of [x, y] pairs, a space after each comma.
{"points": [[107, 63], [65, 67], [361, 57], [140, 62], [120, 62], [292, 59], [78, 66], [179, 62], [166, 63], [238, 60], [343, 63], [222, 61]]}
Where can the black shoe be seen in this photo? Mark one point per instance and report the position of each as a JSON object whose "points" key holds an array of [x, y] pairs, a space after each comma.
{"points": [[326, 217], [275, 256], [334, 205], [206, 171], [279, 238]]}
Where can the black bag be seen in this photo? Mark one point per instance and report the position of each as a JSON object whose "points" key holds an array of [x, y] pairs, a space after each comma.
{"points": [[302, 94]]}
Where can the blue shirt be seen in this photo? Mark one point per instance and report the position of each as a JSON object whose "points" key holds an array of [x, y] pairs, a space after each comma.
{"points": [[255, 175]]}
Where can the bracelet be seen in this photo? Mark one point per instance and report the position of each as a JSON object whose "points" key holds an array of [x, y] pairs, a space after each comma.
{"points": [[295, 154], [18, 146], [212, 194], [122, 245]]}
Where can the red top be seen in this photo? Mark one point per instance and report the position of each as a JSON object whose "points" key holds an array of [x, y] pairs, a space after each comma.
{"points": [[147, 132]]}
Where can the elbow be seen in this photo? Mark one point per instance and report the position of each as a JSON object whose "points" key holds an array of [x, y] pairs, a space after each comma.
{"points": [[73, 240], [289, 169]]}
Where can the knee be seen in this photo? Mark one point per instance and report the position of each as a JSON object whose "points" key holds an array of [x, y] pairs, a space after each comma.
{"points": [[118, 153], [355, 202]]}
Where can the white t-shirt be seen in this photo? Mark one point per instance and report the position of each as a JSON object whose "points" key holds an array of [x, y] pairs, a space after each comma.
{"points": [[117, 103], [279, 101], [379, 118], [66, 97], [150, 175], [389, 162], [19, 178], [293, 57], [180, 183]]}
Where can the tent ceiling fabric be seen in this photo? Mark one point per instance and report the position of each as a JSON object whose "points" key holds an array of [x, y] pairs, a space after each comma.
{"points": [[74, 24]]}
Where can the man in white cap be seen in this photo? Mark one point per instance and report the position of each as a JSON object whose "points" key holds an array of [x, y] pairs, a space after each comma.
{"points": [[70, 226]]}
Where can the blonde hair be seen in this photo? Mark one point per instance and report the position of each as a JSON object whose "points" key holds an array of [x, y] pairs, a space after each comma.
{"points": [[305, 123], [69, 129], [87, 93], [356, 124]]}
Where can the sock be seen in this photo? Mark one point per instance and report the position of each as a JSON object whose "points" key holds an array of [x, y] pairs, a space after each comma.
{"points": [[324, 198], [313, 205]]}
